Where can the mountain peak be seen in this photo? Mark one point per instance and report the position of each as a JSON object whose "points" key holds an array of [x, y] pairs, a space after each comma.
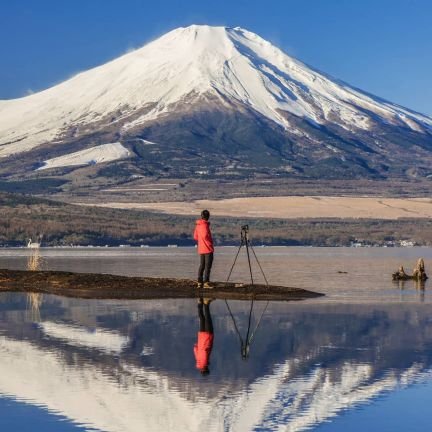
{"points": [[211, 67]]}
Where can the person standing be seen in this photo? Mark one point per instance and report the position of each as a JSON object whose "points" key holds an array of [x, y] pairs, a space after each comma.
{"points": [[203, 237]]}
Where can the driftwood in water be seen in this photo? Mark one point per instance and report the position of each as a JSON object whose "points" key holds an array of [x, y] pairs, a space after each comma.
{"points": [[103, 286], [419, 273]]}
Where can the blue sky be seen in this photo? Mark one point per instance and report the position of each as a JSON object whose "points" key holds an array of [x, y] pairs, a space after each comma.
{"points": [[381, 46]]}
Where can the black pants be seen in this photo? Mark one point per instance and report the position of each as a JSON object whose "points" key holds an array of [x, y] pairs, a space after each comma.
{"points": [[206, 323], [206, 261]]}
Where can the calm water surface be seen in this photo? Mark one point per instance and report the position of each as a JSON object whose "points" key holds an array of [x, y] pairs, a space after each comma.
{"points": [[358, 359]]}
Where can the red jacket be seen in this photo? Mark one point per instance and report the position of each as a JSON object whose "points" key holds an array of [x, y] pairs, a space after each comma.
{"points": [[203, 236], [202, 349]]}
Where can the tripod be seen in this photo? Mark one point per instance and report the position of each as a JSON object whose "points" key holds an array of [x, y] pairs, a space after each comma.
{"points": [[246, 243]]}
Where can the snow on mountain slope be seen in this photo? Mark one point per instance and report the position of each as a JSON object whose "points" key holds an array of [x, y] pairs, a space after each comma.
{"points": [[170, 73], [94, 155]]}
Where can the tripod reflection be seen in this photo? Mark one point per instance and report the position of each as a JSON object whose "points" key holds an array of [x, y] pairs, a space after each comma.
{"points": [[246, 342]]}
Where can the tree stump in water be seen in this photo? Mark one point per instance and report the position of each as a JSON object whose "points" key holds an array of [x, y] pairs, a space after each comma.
{"points": [[419, 273], [419, 270]]}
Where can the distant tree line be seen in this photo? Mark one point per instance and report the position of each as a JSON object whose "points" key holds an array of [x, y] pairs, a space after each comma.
{"points": [[64, 224]]}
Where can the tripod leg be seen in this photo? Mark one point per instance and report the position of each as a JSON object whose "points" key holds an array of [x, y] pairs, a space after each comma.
{"points": [[249, 322], [259, 265], [235, 260], [249, 261]]}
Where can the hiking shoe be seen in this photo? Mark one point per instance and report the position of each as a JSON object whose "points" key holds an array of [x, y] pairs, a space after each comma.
{"points": [[199, 285], [207, 285]]}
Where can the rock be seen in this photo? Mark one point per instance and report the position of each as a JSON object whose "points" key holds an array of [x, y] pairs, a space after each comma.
{"points": [[419, 273]]}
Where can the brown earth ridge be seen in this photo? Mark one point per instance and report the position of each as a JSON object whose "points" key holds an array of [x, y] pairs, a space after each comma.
{"points": [[105, 286]]}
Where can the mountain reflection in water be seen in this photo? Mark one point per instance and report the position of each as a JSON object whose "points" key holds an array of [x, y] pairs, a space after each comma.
{"points": [[129, 366]]}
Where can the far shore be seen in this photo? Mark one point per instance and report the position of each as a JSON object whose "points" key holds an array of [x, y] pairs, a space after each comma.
{"points": [[293, 207]]}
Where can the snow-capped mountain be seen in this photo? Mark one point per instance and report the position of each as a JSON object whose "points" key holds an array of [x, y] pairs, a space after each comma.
{"points": [[220, 98]]}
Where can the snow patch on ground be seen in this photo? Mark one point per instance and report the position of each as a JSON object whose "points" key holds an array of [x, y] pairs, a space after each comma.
{"points": [[91, 156], [146, 142]]}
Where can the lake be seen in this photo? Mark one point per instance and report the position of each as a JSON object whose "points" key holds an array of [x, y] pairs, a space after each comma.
{"points": [[359, 358]]}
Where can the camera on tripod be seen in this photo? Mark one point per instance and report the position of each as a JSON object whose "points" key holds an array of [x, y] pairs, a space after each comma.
{"points": [[245, 228]]}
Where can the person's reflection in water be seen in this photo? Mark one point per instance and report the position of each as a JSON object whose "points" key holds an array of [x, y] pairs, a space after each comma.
{"points": [[204, 345]]}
